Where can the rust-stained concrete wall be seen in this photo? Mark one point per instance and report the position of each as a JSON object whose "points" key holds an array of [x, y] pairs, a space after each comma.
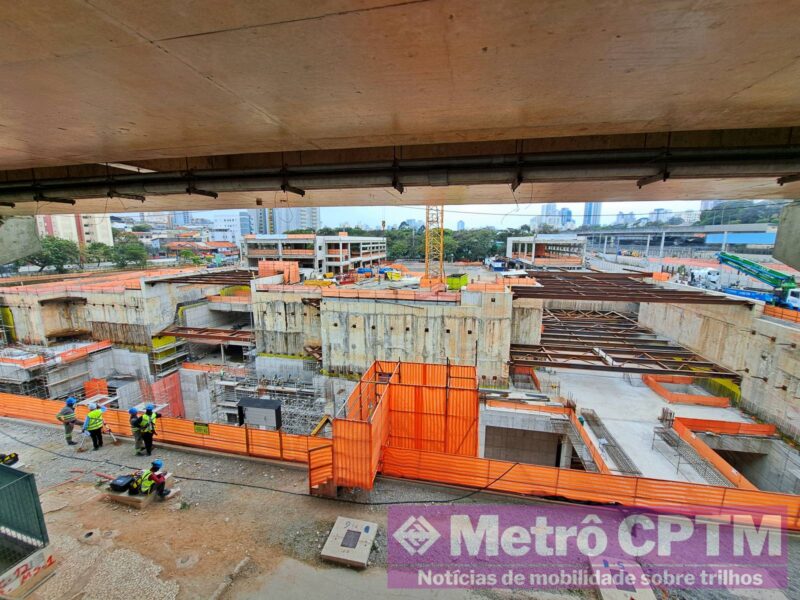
{"points": [[765, 352], [283, 323], [477, 331], [526, 321]]}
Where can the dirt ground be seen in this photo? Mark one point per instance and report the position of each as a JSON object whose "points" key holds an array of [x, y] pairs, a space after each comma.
{"points": [[189, 547]]}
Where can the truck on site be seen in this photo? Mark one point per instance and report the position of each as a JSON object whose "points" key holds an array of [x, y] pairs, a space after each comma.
{"points": [[784, 293]]}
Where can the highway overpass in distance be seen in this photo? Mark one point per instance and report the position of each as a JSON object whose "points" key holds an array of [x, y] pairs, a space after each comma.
{"points": [[199, 105]]}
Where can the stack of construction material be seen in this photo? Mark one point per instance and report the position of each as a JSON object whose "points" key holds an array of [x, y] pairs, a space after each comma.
{"points": [[289, 268]]}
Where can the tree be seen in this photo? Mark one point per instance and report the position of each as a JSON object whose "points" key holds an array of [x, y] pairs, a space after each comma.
{"points": [[129, 253], [57, 253], [142, 227], [675, 221], [97, 252], [742, 211], [121, 236], [188, 256]]}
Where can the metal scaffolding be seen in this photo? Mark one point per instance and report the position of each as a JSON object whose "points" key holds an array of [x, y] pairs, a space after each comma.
{"points": [[610, 341], [618, 287]]}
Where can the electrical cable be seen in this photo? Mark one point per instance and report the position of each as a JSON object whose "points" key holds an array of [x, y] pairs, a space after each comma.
{"points": [[271, 489]]}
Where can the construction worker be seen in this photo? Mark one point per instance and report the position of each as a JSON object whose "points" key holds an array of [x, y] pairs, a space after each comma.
{"points": [[94, 425], [138, 442], [147, 427], [69, 419], [153, 480]]}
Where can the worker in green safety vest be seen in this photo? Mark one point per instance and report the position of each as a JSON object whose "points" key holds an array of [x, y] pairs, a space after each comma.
{"points": [[67, 417], [147, 427], [94, 425], [153, 480]]}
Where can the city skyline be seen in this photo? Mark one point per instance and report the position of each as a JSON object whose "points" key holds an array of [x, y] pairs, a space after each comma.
{"points": [[500, 216]]}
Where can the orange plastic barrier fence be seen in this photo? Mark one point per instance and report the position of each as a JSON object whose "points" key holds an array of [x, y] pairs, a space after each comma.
{"points": [[95, 387], [727, 427], [168, 390], [409, 295], [534, 480], [711, 456], [654, 383], [221, 438], [209, 368], [234, 298], [589, 443], [787, 314], [517, 281], [555, 408], [661, 276], [83, 351]]}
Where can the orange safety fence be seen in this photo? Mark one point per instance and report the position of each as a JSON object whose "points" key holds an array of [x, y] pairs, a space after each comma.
{"points": [[530, 371], [787, 314], [589, 443], [221, 438], [240, 299], [95, 387], [517, 281], [654, 383], [661, 276], [167, 390], [410, 295], [548, 408], [727, 427], [705, 452], [83, 351], [533, 480], [486, 287], [209, 368]]}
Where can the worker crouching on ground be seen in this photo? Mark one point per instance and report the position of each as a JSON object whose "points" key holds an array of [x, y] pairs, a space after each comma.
{"points": [[94, 425], [69, 419], [147, 427], [138, 442], [153, 480]]}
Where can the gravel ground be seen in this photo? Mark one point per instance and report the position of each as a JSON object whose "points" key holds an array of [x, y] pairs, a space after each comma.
{"points": [[184, 548]]}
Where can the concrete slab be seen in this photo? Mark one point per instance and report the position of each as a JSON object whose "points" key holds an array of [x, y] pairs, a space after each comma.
{"points": [[350, 542], [630, 412]]}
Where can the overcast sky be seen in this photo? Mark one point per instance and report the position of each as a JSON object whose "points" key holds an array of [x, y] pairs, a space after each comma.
{"points": [[479, 215]]}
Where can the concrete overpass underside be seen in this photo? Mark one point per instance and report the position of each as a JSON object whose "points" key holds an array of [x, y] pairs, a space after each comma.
{"points": [[570, 100]]}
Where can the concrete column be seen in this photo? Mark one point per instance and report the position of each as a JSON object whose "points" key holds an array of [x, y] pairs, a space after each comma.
{"points": [[724, 241], [647, 249], [661, 250], [565, 459], [222, 352], [605, 243]]}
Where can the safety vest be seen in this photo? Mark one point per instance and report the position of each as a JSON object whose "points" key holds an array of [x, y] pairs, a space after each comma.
{"points": [[147, 483], [135, 424], [95, 419], [66, 417], [148, 423]]}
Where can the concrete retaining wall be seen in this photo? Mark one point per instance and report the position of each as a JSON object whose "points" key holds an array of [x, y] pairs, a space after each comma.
{"points": [[283, 324], [296, 369], [764, 351], [526, 321]]}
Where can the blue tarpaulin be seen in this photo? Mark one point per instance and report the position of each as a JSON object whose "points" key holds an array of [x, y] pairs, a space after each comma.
{"points": [[766, 238]]}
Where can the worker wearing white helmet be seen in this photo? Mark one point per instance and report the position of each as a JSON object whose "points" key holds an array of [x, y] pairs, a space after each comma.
{"points": [[94, 425]]}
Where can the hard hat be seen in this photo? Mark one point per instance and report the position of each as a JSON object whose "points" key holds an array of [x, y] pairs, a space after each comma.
{"points": [[158, 463], [70, 401], [92, 406], [149, 407], [133, 411]]}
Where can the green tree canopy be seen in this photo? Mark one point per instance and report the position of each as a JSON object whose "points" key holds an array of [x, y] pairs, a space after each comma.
{"points": [[98, 252], [129, 253], [142, 227], [57, 253]]}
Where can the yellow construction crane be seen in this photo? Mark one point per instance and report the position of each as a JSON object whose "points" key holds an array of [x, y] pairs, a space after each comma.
{"points": [[434, 244]]}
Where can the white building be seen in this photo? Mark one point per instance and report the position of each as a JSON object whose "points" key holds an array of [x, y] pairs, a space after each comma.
{"points": [[81, 229], [323, 253], [227, 228], [289, 219]]}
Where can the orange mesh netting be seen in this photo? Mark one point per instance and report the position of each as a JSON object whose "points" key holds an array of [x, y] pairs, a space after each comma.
{"points": [[654, 383]]}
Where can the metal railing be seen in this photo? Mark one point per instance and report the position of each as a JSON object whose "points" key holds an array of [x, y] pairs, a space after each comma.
{"points": [[22, 527]]}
